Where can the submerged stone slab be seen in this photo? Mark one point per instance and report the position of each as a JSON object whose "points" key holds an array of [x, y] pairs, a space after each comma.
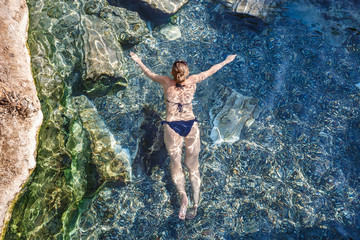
{"points": [[127, 25], [231, 112], [20, 114], [256, 8], [102, 52], [111, 160]]}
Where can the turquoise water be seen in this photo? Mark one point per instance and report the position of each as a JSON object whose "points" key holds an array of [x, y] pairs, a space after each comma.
{"points": [[102, 168]]}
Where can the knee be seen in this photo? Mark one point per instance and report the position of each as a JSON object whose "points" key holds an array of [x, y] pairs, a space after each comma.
{"points": [[175, 166], [192, 152], [177, 177], [175, 155], [192, 166]]}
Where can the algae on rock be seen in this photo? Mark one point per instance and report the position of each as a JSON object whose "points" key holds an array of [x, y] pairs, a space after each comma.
{"points": [[110, 159], [72, 52]]}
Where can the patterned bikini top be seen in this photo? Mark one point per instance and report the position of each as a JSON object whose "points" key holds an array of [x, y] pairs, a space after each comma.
{"points": [[180, 105]]}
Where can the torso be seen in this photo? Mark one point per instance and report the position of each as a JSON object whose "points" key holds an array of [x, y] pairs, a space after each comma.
{"points": [[174, 95]]}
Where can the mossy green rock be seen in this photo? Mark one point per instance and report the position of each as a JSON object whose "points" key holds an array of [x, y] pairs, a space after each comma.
{"points": [[110, 159], [73, 52]]}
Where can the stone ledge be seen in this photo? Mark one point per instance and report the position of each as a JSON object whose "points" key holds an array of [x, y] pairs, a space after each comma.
{"points": [[20, 113]]}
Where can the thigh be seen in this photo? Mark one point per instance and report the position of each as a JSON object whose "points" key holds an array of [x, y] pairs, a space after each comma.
{"points": [[173, 141], [192, 140]]}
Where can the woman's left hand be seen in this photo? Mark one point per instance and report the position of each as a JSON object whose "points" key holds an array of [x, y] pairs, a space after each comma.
{"points": [[230, 58]]}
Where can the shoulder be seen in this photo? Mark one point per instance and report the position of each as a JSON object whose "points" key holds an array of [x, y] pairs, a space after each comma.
{"points": [[196, 78], [167, 82], [166, 79], [163, 80]]}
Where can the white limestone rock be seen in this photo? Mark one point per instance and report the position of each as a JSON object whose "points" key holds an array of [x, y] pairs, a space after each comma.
{"points": [[170, 6], [256, 8], [230, 113], [18, 129], [171, 32]]}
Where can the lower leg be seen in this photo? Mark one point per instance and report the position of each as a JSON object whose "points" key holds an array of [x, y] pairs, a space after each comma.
{"points": [[179, 182], [192, 164], [183, 204], [195, 185]]}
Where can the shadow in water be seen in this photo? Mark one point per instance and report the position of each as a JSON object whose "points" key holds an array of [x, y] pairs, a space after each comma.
{"points": [[152, 155], [246, 22], [151, 148], [238, 21]]}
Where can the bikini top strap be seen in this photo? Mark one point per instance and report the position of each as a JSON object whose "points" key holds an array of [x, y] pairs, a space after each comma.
{"points": [[180, 105]]}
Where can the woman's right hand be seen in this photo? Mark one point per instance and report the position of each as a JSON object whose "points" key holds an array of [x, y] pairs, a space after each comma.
{"points": [[230, 58], [135, 57]]}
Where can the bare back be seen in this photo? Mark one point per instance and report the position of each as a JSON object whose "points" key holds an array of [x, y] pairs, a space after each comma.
{"points": [[178, 99]]}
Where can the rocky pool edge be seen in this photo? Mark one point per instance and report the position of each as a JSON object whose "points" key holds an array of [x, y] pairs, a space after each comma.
{"points": [[20, 111]]}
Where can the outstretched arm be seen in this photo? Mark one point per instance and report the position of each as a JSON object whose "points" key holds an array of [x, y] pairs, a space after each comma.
{"points": [[155, 77], [201, 76]]}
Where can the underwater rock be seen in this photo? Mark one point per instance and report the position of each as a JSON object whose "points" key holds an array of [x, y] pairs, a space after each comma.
{"points": [[128, 26], [169, 7], [324, 18], [171, 32], [20, 113], [102, 52], [256, 8], [107, 30], [111, 160], [115, 212], [230, 113]]}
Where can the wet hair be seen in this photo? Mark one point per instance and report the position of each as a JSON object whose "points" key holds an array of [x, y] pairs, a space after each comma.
{"points": [[180, 71]]}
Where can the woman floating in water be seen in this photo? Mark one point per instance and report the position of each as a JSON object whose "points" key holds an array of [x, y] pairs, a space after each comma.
{"points": [[181, 125]]}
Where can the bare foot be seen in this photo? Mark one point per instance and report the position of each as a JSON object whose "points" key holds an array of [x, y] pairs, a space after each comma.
{"points": [[191, 213], [183, 207]]}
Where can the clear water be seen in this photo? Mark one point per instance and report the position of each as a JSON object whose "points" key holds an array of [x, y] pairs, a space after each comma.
{"points": [[294, 173]]}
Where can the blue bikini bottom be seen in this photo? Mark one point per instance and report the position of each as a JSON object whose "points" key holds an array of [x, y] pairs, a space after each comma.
{"points": [[181, 127]]}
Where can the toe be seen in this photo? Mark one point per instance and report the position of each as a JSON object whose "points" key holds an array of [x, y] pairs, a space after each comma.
{"points": [[182, 214]]}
